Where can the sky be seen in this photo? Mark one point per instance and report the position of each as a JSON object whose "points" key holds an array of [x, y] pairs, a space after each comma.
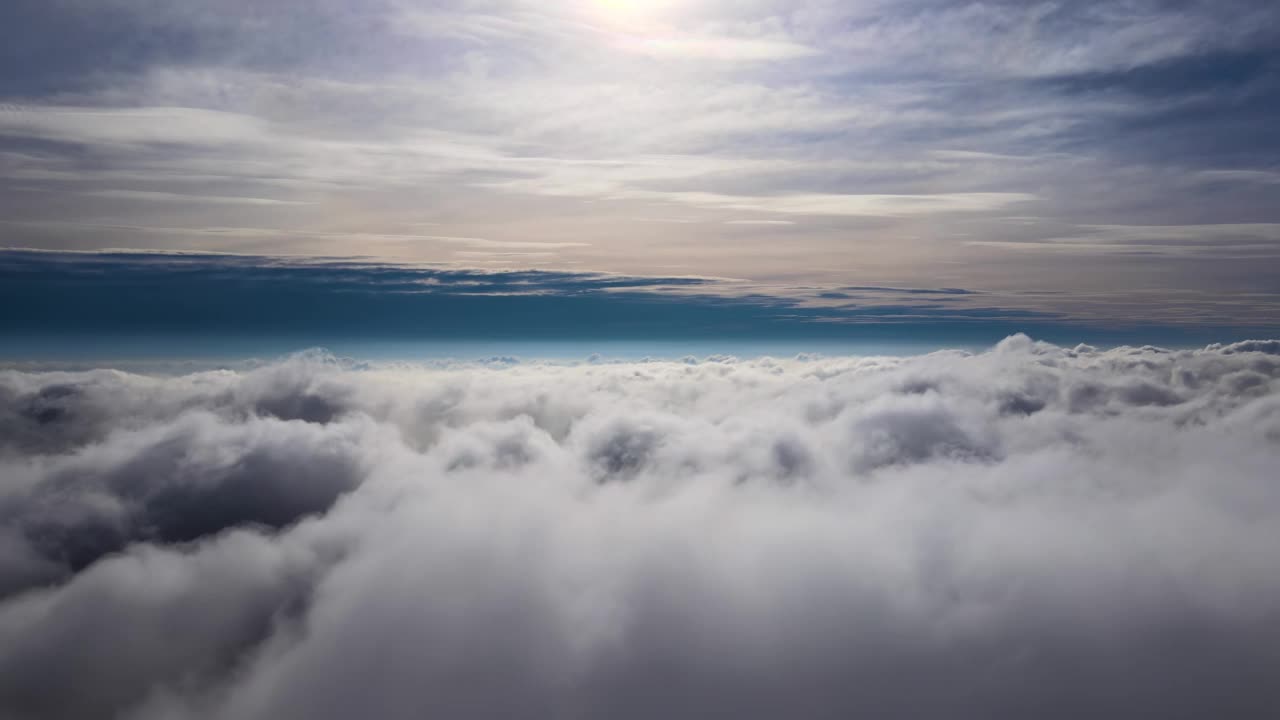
{"points": [[579, 359], [1094, 167]]}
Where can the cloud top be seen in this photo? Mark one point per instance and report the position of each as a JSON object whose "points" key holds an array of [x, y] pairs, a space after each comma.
{"points": [[1029, 531]]}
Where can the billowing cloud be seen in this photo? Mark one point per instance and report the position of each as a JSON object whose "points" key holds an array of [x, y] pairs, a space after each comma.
{"points": [[1029, 531]]}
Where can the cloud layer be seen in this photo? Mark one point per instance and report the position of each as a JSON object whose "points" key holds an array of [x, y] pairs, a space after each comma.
{"points": [[1033, 531]]}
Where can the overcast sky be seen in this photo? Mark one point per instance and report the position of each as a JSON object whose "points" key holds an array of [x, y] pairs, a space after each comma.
{"points": [[1089, 159]]}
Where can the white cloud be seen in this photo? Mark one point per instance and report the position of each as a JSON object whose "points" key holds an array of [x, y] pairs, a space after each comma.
{"points": [[1035, 529], [1262, 177], [1225, 240], [715, 47], [841, 204], [133, 126], [599, 28], [168, 197]]}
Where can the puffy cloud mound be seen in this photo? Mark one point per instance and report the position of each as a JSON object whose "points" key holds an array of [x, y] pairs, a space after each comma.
{"points": [[1032, 531]]}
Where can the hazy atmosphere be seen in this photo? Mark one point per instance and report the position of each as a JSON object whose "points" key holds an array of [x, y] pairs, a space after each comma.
{"points": [[621, 359]]}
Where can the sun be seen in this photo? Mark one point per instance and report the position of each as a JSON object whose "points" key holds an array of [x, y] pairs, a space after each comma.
{"points": [[630, 11]]}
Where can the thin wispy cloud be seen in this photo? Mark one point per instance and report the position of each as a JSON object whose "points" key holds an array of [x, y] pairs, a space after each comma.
{"points": [[995, 140], [168, 197]]}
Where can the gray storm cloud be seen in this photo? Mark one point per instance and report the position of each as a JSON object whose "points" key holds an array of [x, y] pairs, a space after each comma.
{"points": [[1032, 531]]}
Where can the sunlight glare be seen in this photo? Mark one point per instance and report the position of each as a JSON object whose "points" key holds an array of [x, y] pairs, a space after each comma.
{"points": [[630, 11]]}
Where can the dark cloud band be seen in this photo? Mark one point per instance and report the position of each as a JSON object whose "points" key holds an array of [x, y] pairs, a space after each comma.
{"points": [[194, 297]]}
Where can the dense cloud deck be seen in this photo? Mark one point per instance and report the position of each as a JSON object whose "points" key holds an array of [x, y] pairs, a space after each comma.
{"points": [[1033, 531]]}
